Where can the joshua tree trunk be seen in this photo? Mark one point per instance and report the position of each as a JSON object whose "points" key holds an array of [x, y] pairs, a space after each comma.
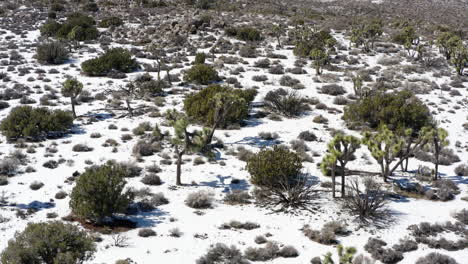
{"points": [[73, 106], [129, 107], [436, 156], [333, 180], [342, 179], [179, 165]]}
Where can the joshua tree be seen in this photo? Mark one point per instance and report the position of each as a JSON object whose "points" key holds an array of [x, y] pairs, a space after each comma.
{"points": [[320, 58], [438, 140], [72, 88], [340, 150], [183, 140], [460, 58]]}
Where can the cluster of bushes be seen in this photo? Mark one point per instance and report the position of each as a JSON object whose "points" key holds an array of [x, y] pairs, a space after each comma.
{"points": [[376, 248], [111, 21], [77, 27], [426, 233], [35, 123], [244, 33], [221, 253], [269, 252], [113, 60], [396, 110], [53, 52], [202, 108], [201, 74]]}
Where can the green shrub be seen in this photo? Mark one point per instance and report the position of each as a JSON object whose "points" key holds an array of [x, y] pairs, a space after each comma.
{"points": [[34, 123], [200, 106], [53, 52], [396, 110], [287, 103], [51, 243], [111, 21], [77, 27], [201, 74], [274, 167], [200, 58], [116, 59], [99, 192], [244, 33]]}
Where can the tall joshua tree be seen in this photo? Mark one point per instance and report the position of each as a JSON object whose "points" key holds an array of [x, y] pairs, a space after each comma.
{"points": [[72, 88]]}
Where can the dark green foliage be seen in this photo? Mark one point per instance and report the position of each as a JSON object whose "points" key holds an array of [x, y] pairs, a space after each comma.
{"points": [[116, 59], [111, 21], [77, 27], [200, 58], [201, 74], [51, 53], [398, 110], [244, 33], [274, 167], [99, 192], [50, 243], [34, 123], [201, 106], [307, 41]]}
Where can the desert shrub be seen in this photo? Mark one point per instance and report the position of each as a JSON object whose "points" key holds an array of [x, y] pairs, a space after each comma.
{"points": [[113, 60], [144, 148], [273, 167], [201, 106], [200, 58], [277, 175], [9, 166], [288, 103], [269, 252], [367, 204], [131, 168], [146, 232], [333, 89], [406, 245], [60, 195], [239, 225], [248, 51], [237, 197], [3, 180], [49, 242], [111, 21], [396, 110], [262, 63], [35, 123], [99, 192], [268, 135], [462, 216], [307, 136], [201, 74], [386, 255], [199, 200], [446, 189], [158, 199], [220, 253], [288, 252], [260, 240], [461, 170], [436, 258], [53, 52], [151, 179], [259, 78], [289, 81], [244, 33], [36, 185], [77, 27], [82, 148]]}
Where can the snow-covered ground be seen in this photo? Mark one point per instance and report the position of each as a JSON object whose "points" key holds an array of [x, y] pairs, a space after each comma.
{"points": [[201, 231]]}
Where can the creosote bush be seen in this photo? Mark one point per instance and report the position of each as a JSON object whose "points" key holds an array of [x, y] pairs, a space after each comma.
{"points": [[49, 243], [244, 33], [52, 52], [201, 74], [113, 60], [99, 192], [400, 110], [35, 123], [201, 106]]}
